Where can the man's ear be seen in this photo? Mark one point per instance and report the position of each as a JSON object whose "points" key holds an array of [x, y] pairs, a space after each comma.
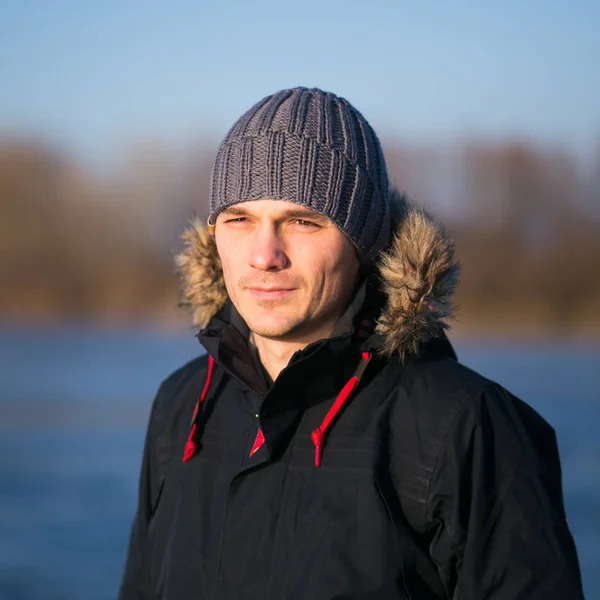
{"points": [[210, 226]]}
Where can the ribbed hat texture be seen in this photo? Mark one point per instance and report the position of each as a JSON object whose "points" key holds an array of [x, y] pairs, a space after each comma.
{"points": [[313, 148]]}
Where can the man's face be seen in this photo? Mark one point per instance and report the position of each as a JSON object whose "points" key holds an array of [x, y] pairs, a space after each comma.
{"points": [[289, 271]]}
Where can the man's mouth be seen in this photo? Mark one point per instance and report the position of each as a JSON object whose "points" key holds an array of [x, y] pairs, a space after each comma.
{"points": [[271, 293]]}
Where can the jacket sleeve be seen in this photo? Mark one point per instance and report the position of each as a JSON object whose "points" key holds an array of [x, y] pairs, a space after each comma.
{"points": [[495, 506], [134, 583]]}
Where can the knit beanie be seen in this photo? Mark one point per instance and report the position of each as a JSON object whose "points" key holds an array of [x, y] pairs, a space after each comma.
{"points": [[315, 149]]}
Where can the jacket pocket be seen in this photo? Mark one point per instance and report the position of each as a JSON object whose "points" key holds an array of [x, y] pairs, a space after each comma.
{"points": [[333, 538], [317, 525]]}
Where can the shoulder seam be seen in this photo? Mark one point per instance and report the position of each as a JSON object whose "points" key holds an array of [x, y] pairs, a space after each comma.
{"points": [[459, 412]]}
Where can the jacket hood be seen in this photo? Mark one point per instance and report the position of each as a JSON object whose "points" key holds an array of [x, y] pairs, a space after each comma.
{"points": [[417, 274]]}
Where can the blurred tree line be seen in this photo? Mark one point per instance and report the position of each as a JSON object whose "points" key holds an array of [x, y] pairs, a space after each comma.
{"points": [[77, 246]]}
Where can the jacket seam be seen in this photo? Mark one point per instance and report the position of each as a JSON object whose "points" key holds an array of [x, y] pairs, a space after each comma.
{"points": [[460, 411]]}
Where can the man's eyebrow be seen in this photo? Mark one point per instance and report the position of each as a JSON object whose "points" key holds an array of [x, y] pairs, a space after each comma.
{"points": [[300, 213], [234, 210], [308, 215]]}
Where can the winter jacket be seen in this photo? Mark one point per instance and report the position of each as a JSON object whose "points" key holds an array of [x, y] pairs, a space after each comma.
{"points": [[376, 466]]}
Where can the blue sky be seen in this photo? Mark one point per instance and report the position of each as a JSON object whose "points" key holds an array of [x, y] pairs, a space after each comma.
{"points": [[95, 76]]}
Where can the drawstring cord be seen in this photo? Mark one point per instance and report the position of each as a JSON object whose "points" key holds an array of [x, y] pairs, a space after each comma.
{"points": [[190, 445], [258, 442], [316, 436]]}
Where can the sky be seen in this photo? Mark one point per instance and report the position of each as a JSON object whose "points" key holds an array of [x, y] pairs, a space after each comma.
{"points": [[94, 77]]}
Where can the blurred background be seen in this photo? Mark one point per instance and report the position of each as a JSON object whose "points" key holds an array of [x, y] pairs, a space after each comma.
{"points": [[110, 115]]}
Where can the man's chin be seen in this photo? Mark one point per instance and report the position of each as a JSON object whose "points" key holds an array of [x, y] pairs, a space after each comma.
{"points": [[272, 328], [273, 332]]}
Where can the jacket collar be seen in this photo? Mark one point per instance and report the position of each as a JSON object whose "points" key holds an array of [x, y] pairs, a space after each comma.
{"points": [[227, 338]]}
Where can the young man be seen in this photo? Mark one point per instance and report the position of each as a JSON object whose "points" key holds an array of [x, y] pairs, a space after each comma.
{"points": [[330, 445]]}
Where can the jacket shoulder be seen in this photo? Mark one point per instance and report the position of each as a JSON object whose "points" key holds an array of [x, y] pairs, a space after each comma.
{"points": [[443, 381], [428, 397], [441, 404], [175, 392], [179, 378], [446, 388], [432, 392]]}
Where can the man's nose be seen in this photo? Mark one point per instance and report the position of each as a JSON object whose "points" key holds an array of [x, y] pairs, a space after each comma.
{"points": [[266, 250]]}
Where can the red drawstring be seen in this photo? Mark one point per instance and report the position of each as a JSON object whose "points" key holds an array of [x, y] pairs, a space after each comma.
{"points": [[317, 435], [190, 445], [258, 442]]}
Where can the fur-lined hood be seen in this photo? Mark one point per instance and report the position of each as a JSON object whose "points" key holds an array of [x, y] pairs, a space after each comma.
{"points": [[418, 275]]}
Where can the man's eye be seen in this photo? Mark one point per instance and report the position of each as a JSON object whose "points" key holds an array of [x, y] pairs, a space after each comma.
{"points": [[236, 220], [304, 223]]}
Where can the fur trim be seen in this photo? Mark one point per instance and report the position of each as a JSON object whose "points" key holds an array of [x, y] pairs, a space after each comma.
{"points": [[199, 266], [418, 275]]}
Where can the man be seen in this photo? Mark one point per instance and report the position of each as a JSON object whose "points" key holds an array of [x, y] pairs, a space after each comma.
{"points": [[330, 445]]}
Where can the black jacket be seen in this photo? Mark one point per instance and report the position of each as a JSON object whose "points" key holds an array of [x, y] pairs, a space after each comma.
{"points": [[376, 466]]}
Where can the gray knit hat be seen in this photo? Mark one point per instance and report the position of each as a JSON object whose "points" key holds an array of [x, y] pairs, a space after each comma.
{"points": [[314, 148]]}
